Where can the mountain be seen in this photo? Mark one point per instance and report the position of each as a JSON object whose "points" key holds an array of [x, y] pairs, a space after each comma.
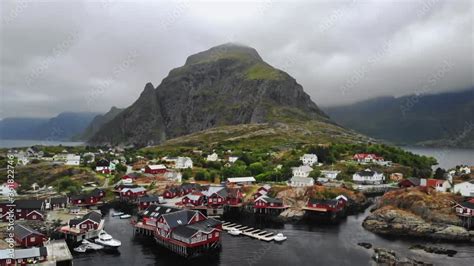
{"points": [[226, 85], [97, 123], [445, 119], [62, 127]]}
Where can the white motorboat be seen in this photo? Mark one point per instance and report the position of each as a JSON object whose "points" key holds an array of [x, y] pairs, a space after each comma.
{"points": [[90, 245], [107, 241], [235, 232], [81, 249], [125, 216], [115, 214], [279, 237]]}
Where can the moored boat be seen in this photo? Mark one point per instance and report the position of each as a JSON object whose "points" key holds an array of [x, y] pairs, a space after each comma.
{"points": [[235, 232], [115, 214], [125, 216], [107, 241], [279, 237]]}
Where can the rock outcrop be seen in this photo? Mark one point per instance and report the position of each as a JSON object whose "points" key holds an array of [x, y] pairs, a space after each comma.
{"points": [[415, 212]]}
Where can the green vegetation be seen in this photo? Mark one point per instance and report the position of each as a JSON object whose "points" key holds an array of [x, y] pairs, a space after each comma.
{"points": [[262, 71]]}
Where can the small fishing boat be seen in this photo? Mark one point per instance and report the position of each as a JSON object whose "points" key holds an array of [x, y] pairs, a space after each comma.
{"points": [[107, 241], [235, 232], [81, 249], [115, 214], [92, 246], [279, 237], [125, 216]]}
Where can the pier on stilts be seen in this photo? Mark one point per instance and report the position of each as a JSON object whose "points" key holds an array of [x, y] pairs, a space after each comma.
{"points": [[249, 231]]}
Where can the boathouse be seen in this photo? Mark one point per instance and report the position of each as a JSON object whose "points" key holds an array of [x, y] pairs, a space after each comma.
{"points": [[188, 233], [194, 199], [266, 204], [85, 227], [235, 196], [147, 200], [132, 193], [28, 237], [25, 256], [216, 196], [465, 210], [29, 209], [171, 192], [187, 188]]}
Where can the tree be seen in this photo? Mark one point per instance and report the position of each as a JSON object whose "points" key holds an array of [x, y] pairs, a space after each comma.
{"points": [[256, 168], [439, 173], [315, 173], [201, 176]]}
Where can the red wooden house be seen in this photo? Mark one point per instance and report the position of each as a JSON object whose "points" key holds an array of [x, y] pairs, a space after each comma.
{"points": [[132, 176], [465, 209], [25, 256], [195, 199], [265, 202], [132, 193], [171, 192], [327, 205], [88, 222], [263, 190], [58, 202], [188, 233], [187, 188], [91, 198], [216, 196], [29, 209], [235, 196], [155, 169], [409, 182], [147, 200], [28, 237], [103, 166]]}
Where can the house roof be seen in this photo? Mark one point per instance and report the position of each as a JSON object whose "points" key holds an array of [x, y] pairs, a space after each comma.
{"points": [[366, 172], [190, 186], [414, 180], [102, 163], [323, 201], [93, 216], [303, 168], [467, 204], [156, 211], [29, 204], [58, 200], [156, 166], [22, 231], [269, 199], [177, 218], [133, 189], [149, 198], [241, 179], [221, 191], [185, 231], [194, 196], [30, 253], [301, 179], [367, 155]]}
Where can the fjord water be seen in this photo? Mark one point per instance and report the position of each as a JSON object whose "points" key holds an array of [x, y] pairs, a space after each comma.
{"points": [[307, 244], [447, 157]]}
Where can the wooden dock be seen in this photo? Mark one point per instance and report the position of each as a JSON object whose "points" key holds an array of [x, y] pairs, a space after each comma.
{"points": [[249, 231]]}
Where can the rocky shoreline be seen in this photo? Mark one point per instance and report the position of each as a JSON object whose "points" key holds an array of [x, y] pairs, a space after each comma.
{"points": [[415, 213]]}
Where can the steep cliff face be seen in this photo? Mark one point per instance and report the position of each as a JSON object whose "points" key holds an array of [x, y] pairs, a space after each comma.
{"points": [[225, 85]]}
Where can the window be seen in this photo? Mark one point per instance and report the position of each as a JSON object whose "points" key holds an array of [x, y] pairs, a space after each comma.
{"points": [[32, 239], [84, 226], [34, 217]]}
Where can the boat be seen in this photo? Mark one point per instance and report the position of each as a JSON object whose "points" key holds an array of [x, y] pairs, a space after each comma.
{"points": [[107, 241], [279, 237], [235, 232], [117, 214], [81, 249], [90, 245], [125, 216]]}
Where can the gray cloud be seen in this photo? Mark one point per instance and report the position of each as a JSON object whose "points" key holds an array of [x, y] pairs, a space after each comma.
{"points": [[91, 55]]}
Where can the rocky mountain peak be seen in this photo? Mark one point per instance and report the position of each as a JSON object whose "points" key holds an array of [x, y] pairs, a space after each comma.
{"points": [[225, 51]]}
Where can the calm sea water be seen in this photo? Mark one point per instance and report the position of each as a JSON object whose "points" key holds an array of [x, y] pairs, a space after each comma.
{"points": [[307, 244], [447, 157], [17, 143]]}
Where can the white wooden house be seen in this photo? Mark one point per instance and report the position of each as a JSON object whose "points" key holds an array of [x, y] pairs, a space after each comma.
{"points": [[309, 159]]}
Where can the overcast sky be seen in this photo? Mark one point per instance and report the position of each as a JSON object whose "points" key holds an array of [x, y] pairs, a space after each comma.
{"points": [[91, 55]]}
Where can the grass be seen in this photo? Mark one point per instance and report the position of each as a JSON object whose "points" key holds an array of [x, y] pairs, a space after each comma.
{"points": [[262, 71]]}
